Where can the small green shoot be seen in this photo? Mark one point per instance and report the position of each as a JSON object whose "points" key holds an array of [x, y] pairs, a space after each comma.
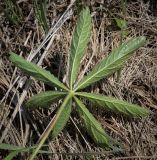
{"points": [[40, 12], [12, 11], [122, 24], [72, 95]]}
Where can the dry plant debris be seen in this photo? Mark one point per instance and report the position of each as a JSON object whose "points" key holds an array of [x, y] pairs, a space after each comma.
{"points": [[137, 83]]}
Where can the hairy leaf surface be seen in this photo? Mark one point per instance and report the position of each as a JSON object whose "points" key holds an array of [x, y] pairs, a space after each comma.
{"points": [[79, 42], [92, 126], [112, 63], [115, 105], [44, 99], [62, 117], [36, 72]]}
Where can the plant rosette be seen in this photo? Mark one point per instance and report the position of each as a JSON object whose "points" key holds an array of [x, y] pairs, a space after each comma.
{"points": [[72, 95]]}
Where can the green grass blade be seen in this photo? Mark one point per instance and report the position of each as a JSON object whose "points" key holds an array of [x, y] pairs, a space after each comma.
{"points": [[113, 62], [92, 126], [44, 99], [115, 105], [15, 150], [11, 155], [79, 43], [36, 71], [14, 153], [9, 147], [40, 12], [12, 11]]}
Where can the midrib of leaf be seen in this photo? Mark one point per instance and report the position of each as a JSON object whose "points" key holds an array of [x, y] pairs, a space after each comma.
{"points": [[84, 94], [112, 101], [71, 76], [100, 130], [104, 98], [93, 75], [47, 76], [57, 95], [82, 106], [91, 122]]}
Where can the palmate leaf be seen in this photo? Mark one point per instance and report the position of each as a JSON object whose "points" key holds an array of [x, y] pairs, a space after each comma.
{"points": [[79, 43], [112, 63], [44, 99], [62, 117], [92, 126], [115, 105], [36, 72]]}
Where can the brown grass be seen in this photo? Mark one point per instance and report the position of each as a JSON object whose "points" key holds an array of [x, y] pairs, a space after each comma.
{"points": [[137, 83]]}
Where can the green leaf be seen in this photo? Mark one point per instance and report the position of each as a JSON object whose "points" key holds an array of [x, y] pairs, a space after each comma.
{"points": [[92, 126], [112, 63], [36, 72], [121, 23], [14, 153], [10, 147], [11, 155], [15, 150], [62, 117], [79, 43], [40, 12], [115, 105], [44, 99]]}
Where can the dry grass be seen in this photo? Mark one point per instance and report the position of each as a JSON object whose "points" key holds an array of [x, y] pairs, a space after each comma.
{"points": [[137, 84]]}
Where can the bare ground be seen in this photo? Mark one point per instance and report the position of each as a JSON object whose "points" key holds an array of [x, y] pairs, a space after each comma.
{"points": [[137, 83]]}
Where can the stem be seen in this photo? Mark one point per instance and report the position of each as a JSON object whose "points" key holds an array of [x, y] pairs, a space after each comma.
{"points": [[123, 3], [49, 128]]}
